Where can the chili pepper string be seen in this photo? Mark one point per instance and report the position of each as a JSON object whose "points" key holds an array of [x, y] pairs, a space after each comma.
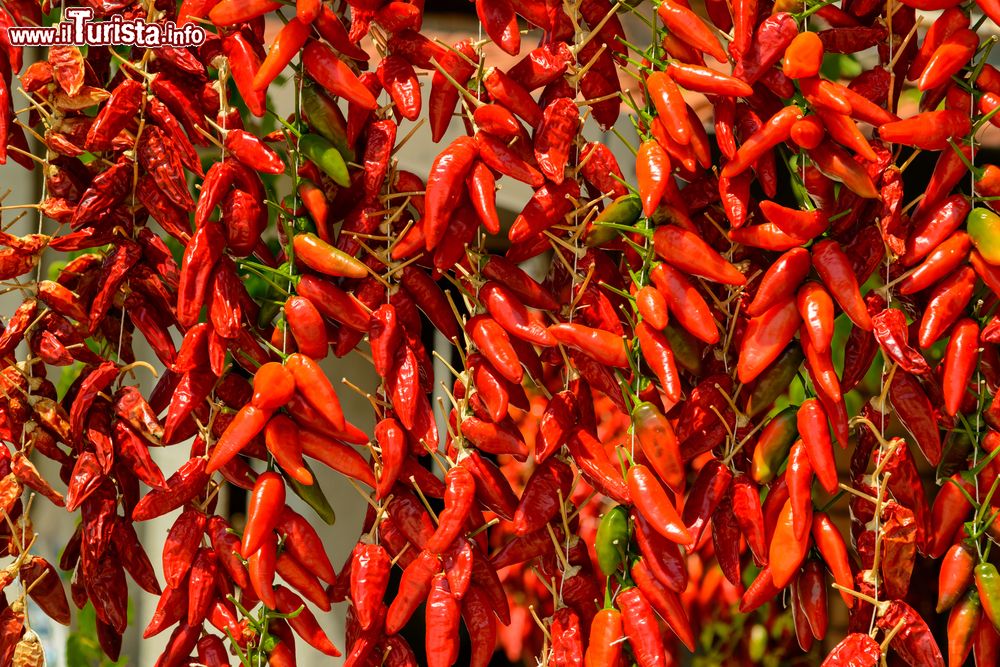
{"points": [[979, 378]]}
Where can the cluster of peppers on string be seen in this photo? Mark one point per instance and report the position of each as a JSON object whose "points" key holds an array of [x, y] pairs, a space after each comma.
{"points": [[642, 431]]}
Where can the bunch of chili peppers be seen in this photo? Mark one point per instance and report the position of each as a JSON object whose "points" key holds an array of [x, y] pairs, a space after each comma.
{"points": [[638, 436]]}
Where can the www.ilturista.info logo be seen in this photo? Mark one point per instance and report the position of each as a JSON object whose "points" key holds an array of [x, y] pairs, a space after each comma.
{"points": [[78, 29]]}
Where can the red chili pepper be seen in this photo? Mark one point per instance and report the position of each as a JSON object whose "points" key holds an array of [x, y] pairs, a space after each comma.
{"points": [[313, 385], [445, 185], [955, 576], [687, 25], [544, 494], [914, 642], [765, 338], [554, 137], [666, 602], [708, 81], [780, 281], [182, 486], [798, 479], [286, 45], [855, 650], [244, 427], [652, 168], [201, 585], [304, 544], [500, 23], [588, 453], [243, 63], [323, 65], [950, 21], [670, 105], [835, 271], [641, 628], [481, 185], [181, 544], [459, 495], [934, 226], [659, 355], [947, 257], [304, 623], [605, 648], [816, 308], [930, 130], [604, 346], [653, 503], [803, 56], [845, 131], [231, 12], [264, 508], [788, 550], [506, 91], [953, 53], [443, 614], [777, 129], [946, 304], [949, 511], [837, 164], [547, 207], [400, 80], [370, 565], [338, 456], [770, 40], [688, 252], [959, 363]]}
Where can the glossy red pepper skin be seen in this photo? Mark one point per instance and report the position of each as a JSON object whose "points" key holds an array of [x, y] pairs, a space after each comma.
{"points": [[946, 303], [960, 360], [685, 23], [776, 130], [654, 504], [263, 511], [261, 568], [765, 339], [595, 466], [955, 577], [444, 186], [652, 167], [930, 130], [788, 550], [325, 67], [604, 648], [604, 346], [304, 624], [688, 252], [834, 269]]}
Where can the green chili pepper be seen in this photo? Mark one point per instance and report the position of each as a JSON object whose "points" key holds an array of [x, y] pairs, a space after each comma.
{"points": [[327, 119], [957, 448], [687, 349], [313, 496], [326, 156], [984, 229], [623, 211], [612, 539], [773, 446], [988, 583], [775, 380]]}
